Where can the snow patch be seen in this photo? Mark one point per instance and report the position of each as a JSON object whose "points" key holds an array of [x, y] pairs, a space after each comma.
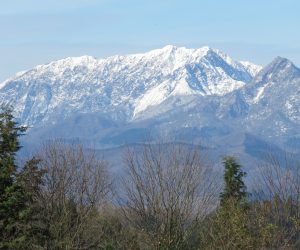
{"points": [[260, 94]]}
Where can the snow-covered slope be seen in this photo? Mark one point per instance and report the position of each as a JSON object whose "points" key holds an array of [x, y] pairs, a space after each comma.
{"points": [[252, 68], [123, 85]]}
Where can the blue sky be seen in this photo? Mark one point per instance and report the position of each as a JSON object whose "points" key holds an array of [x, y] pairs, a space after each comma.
{"points": [[38, 31]]}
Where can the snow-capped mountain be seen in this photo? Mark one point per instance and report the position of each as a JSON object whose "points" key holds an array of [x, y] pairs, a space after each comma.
{"points": [[191, 95], [125, 85]]}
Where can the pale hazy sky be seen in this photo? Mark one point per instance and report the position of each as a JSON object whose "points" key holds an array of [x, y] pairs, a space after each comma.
{"points": [[38, 31]]}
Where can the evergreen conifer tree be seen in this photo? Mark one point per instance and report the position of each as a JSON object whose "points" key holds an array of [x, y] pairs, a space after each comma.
{"points": [[235, 188], [17, 189]]}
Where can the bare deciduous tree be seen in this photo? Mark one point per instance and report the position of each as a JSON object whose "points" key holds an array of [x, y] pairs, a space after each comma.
{"points": [[169, 190], [278, 193], [76, 185]]}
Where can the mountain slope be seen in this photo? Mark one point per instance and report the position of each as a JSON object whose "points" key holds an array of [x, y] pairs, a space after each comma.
{"points": [[274, 100]]}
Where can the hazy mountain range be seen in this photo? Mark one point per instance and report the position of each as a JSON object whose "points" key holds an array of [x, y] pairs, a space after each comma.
{"points": [[178, 94]]}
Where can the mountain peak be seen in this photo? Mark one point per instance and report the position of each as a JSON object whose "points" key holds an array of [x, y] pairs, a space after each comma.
{"points": [[279, 70], [169, 47], [180, 51], [281, 62]]}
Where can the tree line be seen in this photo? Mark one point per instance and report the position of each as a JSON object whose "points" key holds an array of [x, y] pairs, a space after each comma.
{"points": [[170, 198]]}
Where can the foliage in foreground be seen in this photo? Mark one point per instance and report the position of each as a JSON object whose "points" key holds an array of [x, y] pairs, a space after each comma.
{"points": [[171, 199]]}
